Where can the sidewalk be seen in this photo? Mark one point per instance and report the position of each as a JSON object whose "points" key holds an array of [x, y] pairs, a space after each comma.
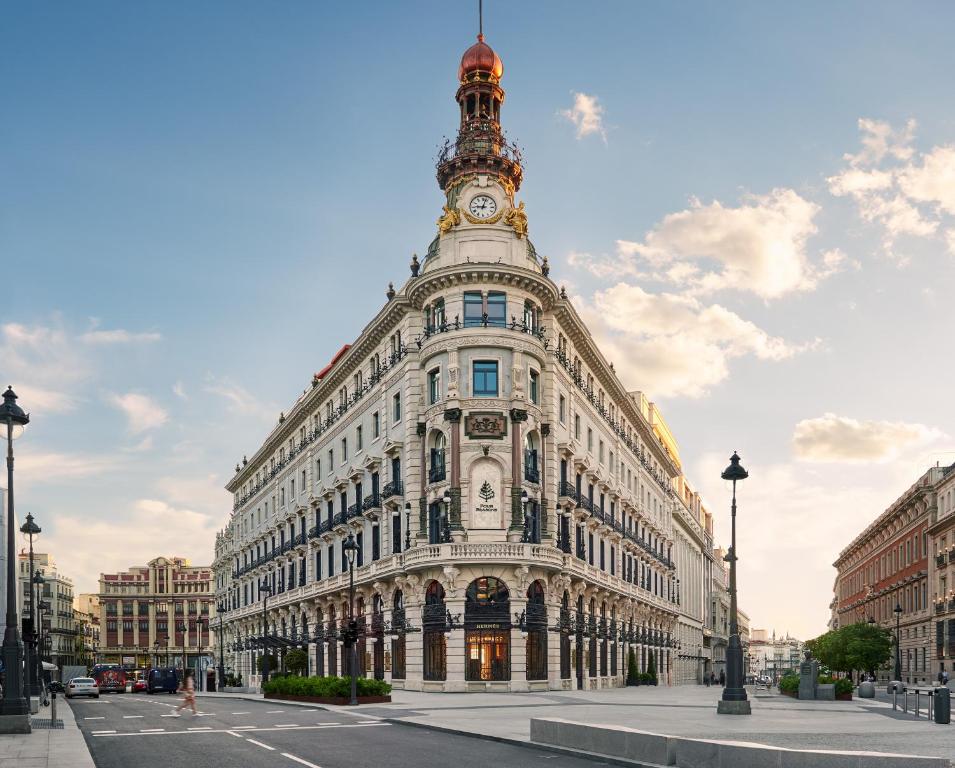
{"points": [[859, 725], [48, 747]]}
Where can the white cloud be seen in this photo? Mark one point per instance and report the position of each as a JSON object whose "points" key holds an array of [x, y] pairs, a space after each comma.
{"points": [[238, 398], [150, 528], [905, 193], [179, 390], [47, 467], [672, 345], [142, 412], [833, 438], [586, 116], [758, 247], [118, 336]]}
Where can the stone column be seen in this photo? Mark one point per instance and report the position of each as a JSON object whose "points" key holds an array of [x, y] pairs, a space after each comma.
{"points": [[453, 417], [518, 650], [454, 641], [516, 528], [414, 649]]}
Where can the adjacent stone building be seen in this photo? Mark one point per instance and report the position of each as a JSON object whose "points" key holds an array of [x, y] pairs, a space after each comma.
{"points": [[156, 613], [59, 626], [886, 566], [941, 534], [510, 501]]}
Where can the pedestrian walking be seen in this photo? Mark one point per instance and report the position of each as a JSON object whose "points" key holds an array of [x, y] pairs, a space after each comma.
{"points": [[188, 688], [722, 678], [944, 678]]}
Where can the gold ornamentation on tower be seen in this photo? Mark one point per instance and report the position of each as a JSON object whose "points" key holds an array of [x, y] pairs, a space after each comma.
{"points": [[448, 221], [517, 219]]}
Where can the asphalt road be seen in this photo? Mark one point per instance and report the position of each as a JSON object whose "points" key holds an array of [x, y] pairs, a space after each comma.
{"points": [[137, 731]]}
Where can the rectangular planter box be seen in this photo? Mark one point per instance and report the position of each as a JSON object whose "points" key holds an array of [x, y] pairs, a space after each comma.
{"points": [[844, 696], [337, 700]]}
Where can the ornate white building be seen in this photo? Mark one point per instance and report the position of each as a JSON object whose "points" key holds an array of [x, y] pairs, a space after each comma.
{"points": [[511, 502]]}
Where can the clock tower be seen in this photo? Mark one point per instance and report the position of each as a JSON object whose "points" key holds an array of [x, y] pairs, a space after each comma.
{"points": [[480, 173]]}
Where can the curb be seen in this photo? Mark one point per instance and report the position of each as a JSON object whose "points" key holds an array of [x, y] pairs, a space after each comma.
{"points": [[518, 743]]}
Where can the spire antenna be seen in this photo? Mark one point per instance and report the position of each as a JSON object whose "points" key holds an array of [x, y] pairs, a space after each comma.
{"points": [[480, 19]]}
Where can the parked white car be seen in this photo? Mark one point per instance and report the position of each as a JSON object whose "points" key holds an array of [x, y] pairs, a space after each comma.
{"points": [[82, 686]]}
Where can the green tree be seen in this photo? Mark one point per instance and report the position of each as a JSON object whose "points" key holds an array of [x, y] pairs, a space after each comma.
{"points": [[296, 661], [652, 666], [867, 646], [633, 673], [830, 650], [272, 664]]}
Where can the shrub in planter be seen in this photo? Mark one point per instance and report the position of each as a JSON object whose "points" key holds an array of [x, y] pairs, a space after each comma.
{"points": [[273, 664], [789, 684], [296, 661], [633, 674], [652, 670], [325, 687]]}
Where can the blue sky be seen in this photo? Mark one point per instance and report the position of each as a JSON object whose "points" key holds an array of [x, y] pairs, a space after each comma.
{"points": [[190, 190]]}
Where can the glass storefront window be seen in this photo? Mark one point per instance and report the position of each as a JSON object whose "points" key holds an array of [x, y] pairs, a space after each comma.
{"points": [[488, 654]]}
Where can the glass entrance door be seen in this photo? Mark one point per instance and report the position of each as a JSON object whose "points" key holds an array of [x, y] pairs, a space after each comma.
{"points": [[488, 654]]}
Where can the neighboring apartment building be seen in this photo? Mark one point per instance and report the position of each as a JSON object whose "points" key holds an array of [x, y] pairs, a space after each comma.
{"points": [[58, 631], [772, 656], [942, 573], [156, 613], [86, 615], [690, 543], [718, 617], [511, 501], [886, 566]]}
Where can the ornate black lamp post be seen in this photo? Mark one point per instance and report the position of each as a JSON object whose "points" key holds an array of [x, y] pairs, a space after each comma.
{"points": [[183, 628], [200, 674], [407, 525], [220, 609], [31, 529], [156, 654], [898, 641], [265, 587], [350, 548], [14, 707], [734, 701]]}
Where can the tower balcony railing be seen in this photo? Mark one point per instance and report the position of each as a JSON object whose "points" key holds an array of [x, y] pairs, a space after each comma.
{"points": [[485, 321], [481, 137]]}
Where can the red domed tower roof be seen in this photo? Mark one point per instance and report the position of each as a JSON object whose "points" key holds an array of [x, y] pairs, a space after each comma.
{"points": [[480, 57]]}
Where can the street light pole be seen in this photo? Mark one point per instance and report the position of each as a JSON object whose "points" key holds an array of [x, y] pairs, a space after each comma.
{"points": [[183, 627], [898, 641], [734, 701], [350, 548], [31, 529], [14, 707], [199, 672]]}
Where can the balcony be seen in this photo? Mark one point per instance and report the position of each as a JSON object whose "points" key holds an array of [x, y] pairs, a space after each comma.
{"points": [[372, 501], [532, 475], [436, 474], [354, 510], [940, 560], [394, 488], [568, 490]]}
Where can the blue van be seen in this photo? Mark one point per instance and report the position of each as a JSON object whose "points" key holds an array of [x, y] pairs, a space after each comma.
{"points": [[162, 680]]}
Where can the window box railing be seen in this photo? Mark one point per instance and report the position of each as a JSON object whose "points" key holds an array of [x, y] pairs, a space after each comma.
{"points": [[340, 518], [354, 510], [313, 532], [436, 474], [940, 560], [532, 475], [394, 488], [568, 490], [372, 501]]}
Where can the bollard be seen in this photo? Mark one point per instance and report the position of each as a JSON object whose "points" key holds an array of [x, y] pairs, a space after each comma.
{"points": [[53, 709], [943, 705]]}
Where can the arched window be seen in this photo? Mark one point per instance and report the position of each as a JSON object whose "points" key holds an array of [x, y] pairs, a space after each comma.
{"points": [[536, 625], [436, 470], [487, 625], [434, 626], [398, 642]]}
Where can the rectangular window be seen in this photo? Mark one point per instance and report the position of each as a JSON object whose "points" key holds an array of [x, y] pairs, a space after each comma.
{"points": [[331, 460], [396, 407], [434, 386], [577, 427], [344, 449], [331, 560], [485, 378], [473, 309], [590, 440], [358, 438], [562, 410], [375, 425], [497, 309], [533, 386]]}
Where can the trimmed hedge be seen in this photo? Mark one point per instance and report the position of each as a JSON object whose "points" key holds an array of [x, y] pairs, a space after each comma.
{"points": [[330, 687], [789, 684]]}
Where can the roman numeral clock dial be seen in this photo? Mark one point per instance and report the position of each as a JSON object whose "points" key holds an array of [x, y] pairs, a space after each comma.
{"points": [[482, 206]]}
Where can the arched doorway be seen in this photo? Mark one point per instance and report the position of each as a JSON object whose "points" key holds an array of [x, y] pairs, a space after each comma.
{"points": [[398, 642], [592, 649], [433, 626], [535, 621], [319, 643], [565, 637], [579, 627], [487, 630], [332, 637], [605, 640], [378, 631]]}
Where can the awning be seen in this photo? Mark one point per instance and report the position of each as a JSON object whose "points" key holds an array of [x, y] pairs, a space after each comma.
{"points": [[47, 667]]}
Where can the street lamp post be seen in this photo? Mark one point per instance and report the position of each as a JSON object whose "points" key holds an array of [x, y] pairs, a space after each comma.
{"points": [[407, 525], [14, 707], [898, 644], [200, 674], [183, 628], [220, 609], [734, 701], [156, 654], [31, 529], [350, 548], [265, 587]]}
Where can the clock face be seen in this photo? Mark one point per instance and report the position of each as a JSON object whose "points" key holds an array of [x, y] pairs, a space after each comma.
{"points": [[482, 206]]}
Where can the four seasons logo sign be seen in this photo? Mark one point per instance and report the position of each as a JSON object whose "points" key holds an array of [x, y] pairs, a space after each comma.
{"points": [[486, 492]]}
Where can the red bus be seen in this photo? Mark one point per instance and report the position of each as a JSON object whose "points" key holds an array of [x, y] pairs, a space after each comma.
{"points": [[109, 677]]}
